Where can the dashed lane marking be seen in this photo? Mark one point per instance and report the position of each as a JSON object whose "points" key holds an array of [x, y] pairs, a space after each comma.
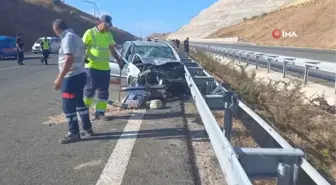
{"points": [[3, 69], [115, 168]]}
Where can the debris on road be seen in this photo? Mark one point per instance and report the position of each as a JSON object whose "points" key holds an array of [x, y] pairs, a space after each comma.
{"points": [[155, 104], [54, 120], [137, 97]]}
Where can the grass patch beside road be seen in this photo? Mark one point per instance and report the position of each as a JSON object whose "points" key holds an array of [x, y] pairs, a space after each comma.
{"points": [[308, 126]]}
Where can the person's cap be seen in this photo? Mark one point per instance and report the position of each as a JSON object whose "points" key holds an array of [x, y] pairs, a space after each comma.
{"points": [[107, 20]]}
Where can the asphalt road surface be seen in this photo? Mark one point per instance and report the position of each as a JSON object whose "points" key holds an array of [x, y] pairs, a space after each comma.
{"points": [[146, 147], [313, 54]]}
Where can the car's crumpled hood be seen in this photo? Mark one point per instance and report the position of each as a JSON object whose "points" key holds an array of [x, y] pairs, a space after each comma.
{"points": [[158, 61]]}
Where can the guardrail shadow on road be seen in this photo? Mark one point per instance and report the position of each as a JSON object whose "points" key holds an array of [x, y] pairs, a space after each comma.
{"points": [[161, 134]]}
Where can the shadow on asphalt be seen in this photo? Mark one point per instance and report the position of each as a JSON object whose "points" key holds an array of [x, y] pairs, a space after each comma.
{"points": [[159, 134], [41, 64], [152, 116]]}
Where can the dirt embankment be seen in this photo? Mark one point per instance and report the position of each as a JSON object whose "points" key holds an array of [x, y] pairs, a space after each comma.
{"points": [[160, 36], [314, 23], [33, 18]]}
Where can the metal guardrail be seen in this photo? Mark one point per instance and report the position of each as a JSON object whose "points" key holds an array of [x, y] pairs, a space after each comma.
{"points": [[277, 159], [319, 69]]}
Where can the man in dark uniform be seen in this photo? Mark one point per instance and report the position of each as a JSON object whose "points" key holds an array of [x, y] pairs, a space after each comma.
{"points": [[19, 47], [186, 45], [178, 43]]}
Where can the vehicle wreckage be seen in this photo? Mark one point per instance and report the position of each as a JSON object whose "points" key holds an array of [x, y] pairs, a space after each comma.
{"points": [[159, 71], [153, 72]]}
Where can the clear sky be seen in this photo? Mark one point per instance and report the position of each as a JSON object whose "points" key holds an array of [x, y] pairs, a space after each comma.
{"points": [[146, 16]]}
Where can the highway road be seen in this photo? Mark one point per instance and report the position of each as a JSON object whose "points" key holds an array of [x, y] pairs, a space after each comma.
{"points": [[146, 147], [313, 54]]}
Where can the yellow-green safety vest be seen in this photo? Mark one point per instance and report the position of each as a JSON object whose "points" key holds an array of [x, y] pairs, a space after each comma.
{"points": [[98, 52], [45, 45]]}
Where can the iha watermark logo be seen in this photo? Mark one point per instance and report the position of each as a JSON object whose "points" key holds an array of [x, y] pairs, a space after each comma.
{"points": [[277, 34]]}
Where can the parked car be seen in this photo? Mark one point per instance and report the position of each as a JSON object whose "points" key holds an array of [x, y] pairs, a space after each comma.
{"points": [[54, 42], [150, 63], [7, 47]]}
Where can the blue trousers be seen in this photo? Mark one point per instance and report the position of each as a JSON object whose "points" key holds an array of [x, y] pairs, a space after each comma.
{"points": [[72, 98], [97, 80]]}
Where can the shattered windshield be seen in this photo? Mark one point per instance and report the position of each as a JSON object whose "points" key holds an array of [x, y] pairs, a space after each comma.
{"points": [[155, 52]]}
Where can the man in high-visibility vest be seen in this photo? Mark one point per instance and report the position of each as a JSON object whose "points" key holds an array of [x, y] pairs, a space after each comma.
{"points": [[99, 43], [45, 50]]}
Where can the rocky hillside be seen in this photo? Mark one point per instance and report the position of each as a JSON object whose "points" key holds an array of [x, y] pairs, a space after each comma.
{"points": [[33, 18], [225, 13], [314, 22], [160, 36]]}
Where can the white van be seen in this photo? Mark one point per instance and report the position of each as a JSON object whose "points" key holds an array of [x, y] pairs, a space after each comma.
{"points": [[54, 42]]}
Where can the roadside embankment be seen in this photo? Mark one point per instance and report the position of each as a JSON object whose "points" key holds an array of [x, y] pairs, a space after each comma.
{"points": [[308, 125]]}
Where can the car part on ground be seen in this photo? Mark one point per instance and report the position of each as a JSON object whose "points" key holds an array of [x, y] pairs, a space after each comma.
{"points": [[137, 97]]}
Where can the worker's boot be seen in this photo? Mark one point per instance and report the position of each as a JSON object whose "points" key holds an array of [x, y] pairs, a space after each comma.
{"points": [[100, 116], [70, 138], [87, 132]]}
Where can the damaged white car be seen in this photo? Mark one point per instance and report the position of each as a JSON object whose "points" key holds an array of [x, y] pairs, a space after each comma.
{"points": [[152, 63]]}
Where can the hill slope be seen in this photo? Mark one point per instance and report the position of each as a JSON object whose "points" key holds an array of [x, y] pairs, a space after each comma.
{"points": [[33, 18], [314, 22], [224, 13]]}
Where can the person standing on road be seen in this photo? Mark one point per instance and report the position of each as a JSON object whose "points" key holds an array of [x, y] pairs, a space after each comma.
{"points": [[71, 80], [99, 44], [186, 45], [45, 50], [19, 47], [177, 43]]}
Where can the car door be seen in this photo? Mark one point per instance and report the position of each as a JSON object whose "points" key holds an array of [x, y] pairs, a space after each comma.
{"points": [[114, 66], [132, 70], [56, 44]]}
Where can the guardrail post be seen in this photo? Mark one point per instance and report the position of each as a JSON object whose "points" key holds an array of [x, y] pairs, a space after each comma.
{"points": [[287, 174], [306, 71], [240, 57], [305, 76], [269, 64], [284, 65], [231, 104], [284, 69], [233, 56], [257, 59]]}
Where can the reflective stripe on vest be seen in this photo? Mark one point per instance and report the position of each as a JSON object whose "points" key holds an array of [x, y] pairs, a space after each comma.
{"points": [[95, 48]]}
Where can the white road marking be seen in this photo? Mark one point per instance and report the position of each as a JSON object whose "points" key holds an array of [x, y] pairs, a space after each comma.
{"points": [[115, 168], [10, 68]]}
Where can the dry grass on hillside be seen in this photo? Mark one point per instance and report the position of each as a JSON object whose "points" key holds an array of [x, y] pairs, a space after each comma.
{"points": [[314, 22], [303, 125], [33, 18]]}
